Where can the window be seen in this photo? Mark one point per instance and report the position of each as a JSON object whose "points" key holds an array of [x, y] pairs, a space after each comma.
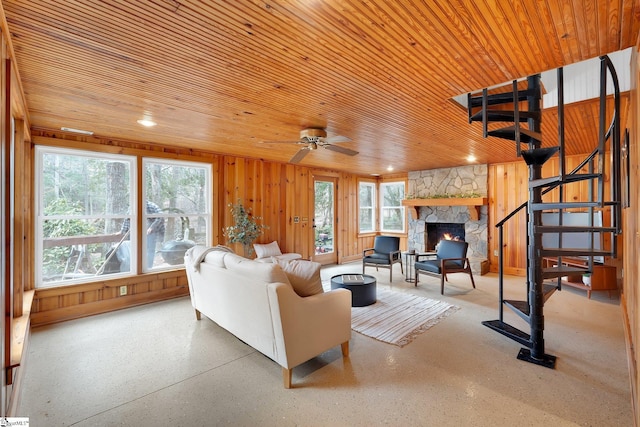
{"points": [[391, 210], [178, 210], [87, 215], [367, 203], [83, 200]]}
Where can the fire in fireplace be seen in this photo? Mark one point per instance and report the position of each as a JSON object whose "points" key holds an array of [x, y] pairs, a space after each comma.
{"points": [[436, 231]]}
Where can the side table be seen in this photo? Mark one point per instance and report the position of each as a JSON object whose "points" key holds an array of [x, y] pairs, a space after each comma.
{"points": [[409, 262]]}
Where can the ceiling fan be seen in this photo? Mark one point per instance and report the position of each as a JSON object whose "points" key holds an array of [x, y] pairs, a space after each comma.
{"points": [[311, 139]]}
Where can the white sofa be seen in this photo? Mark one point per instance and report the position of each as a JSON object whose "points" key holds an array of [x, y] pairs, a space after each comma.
{"points": [[257, 303]]}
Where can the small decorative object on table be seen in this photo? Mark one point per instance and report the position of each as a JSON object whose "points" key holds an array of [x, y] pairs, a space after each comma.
{"points": [[349, 279]]}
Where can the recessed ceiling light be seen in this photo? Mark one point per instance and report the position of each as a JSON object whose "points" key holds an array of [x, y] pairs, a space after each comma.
{"points": [[389, 168], [147, 122], [83, 132], [471, 158]]}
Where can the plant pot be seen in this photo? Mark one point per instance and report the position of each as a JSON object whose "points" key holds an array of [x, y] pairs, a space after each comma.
{"points": [[586, 280]]}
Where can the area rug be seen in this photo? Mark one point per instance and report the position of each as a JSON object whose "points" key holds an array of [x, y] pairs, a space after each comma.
{"points": [[397, 318]]}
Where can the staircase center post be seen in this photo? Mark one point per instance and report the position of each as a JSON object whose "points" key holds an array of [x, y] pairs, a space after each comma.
{"points": [[534, 273]]}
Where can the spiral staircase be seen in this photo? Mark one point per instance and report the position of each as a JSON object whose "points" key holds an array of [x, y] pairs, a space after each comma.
{"points": [[524, 129]]}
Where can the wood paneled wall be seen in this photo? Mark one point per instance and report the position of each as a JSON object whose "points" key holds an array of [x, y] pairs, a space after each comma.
{"points": [[631, 241], [15, 324]]}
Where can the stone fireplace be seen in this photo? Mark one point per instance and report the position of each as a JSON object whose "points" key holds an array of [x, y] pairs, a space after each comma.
{"points": [[450, 181]]}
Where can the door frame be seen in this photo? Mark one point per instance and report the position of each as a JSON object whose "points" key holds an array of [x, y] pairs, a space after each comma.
{"points": [[332, 257]]}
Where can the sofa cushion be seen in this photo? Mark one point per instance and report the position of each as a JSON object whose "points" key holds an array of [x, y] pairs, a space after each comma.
{"points": [[269, 273], [303, 275], [267, 250]]}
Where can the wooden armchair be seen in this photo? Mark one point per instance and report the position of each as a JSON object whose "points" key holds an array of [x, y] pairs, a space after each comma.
{"points": [[385, 253], [451, 257]]}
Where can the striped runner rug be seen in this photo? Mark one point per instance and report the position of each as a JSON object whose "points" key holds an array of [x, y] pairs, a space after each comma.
{"points": [[397, 318]]}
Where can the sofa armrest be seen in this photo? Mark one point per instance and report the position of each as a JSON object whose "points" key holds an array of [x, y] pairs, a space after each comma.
{"points": [[306, 327], [366, 251]]}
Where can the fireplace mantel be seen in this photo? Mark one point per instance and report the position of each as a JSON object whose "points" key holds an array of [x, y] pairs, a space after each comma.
{"points": [[473, 203]]}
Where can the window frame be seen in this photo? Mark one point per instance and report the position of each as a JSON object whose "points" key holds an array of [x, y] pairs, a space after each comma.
{"points": [[40, 218], [208, 209], [372, 208], [383, 207]]}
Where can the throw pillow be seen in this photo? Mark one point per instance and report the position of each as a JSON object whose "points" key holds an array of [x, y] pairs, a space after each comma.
{"points": [[303, 275], [267, 250]]}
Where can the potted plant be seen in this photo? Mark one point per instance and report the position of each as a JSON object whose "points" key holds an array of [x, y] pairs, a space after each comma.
{"points": [[246, 229], [586, 279]]}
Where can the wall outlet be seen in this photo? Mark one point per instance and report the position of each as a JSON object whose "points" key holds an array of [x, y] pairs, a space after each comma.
{"points": [[123, 290], [496, 253]]}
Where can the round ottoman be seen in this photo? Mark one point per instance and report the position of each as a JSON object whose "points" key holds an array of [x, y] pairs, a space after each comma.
{"points": [[362, 292]]}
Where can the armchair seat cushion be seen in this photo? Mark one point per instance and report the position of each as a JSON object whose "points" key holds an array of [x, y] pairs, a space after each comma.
{"points": [[435, 265], [377, 258], [432, 266]]}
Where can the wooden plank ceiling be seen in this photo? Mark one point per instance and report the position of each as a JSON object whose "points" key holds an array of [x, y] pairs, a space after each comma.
{"points": [[226, 75]]}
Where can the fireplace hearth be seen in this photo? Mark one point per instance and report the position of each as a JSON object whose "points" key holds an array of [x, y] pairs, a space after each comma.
{"points": [[436, 231]]}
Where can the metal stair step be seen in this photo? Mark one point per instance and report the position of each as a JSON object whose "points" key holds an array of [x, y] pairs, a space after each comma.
{"points": [[562, 270], [573, 229], [539, 156], [505, 116], [573, 252], [509, 331], [521, 308], [564, 205], [555, 180], [502, 98], [509, 132]]}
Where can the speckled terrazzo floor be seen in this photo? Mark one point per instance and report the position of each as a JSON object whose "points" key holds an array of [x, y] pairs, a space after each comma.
{"points": [[155, 365]]}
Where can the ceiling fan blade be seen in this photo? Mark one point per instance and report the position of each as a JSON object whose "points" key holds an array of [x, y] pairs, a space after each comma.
{"points": [[299, 155], [341, 150], [281, 142], [337, 138]]}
